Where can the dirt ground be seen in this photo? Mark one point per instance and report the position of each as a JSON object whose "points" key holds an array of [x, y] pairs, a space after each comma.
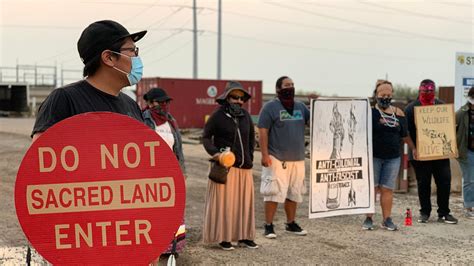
{"points": [[336, 240]]}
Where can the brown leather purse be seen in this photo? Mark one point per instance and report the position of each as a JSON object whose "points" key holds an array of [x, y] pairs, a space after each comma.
{"points": [[217, 172]]}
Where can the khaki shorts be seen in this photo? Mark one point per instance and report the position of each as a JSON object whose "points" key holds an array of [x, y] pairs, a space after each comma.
{"points": [[290, 180]]}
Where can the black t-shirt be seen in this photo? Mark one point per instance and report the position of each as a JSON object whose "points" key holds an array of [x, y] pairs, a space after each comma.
{"points": [[385, 139], [81, 97]]}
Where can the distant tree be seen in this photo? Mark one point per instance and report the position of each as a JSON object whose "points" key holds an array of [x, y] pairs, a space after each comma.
{"points": [[404, 92], [303, 92]]}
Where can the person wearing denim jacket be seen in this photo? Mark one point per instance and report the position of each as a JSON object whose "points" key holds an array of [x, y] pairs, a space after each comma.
{"points": [[157, 116], [159, 95], [465, 142]]}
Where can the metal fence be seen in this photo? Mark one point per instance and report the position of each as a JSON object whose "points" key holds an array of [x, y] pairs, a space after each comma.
{"points": [[39, 75]]}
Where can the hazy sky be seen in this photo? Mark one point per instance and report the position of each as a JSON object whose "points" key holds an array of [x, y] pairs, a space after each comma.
{"points": [[329, 46]]}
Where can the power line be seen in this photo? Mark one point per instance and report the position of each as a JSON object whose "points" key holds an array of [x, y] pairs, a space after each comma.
{"points": [[162, 40], [287, 22], [455, 4], [172, 52], [40, 27], [166, 18], [141, 11], [344, 7], [419, 35], [177, 31], [290, 45], [416, 14]]}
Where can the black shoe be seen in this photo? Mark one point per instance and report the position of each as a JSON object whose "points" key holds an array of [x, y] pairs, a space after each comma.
{"points": [[448, 219], [226, 246], [295, 229], [269, 232], [423, 218], [248, 244]]}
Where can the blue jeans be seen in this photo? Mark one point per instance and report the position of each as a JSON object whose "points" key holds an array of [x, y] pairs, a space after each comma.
{"points": [[386, 172], [467, 167]]}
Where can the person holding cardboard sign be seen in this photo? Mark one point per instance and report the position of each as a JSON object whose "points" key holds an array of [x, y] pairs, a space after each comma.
{"points": [[111, 62], [465, 142], [439, 169]]}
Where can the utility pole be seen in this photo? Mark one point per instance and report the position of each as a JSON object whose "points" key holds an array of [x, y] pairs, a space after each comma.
{"points": [[195, 44], [219, 38]]}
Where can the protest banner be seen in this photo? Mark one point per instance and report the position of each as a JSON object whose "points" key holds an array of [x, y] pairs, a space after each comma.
{"points": [[341, 158], [99, 188], [435, 132]]}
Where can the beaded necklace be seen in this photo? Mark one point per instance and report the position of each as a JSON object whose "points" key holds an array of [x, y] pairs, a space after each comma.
{"points": [[389, 119]]}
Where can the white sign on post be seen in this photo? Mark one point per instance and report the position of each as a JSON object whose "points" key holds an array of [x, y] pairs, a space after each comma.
{"points": [[341, 158], [464, 79]]}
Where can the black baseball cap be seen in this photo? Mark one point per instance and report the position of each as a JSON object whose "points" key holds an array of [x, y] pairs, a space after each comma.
{"points": [[101, 35], [157, 94]]}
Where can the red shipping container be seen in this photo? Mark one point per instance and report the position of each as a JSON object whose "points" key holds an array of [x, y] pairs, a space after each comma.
{"points": [[194, 99]]}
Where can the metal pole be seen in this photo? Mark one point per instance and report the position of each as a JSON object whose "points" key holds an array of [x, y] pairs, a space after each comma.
{"points": [[17, 71], [219, 38], [36, 75], [195, 44]]}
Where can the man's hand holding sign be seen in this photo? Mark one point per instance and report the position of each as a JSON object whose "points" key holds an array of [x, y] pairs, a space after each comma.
{"points": [[99, 188]]}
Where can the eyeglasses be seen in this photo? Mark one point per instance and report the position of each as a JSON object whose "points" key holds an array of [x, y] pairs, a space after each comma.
{"points": [[135, 49], [235, 97]]}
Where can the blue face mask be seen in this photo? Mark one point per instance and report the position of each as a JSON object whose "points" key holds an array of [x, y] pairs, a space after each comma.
{"points": [[136, 72]]}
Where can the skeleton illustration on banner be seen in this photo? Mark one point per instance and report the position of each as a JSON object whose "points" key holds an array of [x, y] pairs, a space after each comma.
{"points": [[341, 158]]}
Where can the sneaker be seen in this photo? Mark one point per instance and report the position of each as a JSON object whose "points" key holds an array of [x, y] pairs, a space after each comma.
{"points": [[469, 214], [389, 225], [295, 229], [423, 218], [368, 224], [269, 232], [226, 246], [248, 244], [448, 219]]}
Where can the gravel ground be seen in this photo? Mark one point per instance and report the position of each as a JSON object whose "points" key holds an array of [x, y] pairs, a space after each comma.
{"points": [[336, 240]]}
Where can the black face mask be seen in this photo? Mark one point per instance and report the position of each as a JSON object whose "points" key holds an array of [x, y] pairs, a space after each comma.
{"points": [[384, 103], [287, 93], [234, 109]]}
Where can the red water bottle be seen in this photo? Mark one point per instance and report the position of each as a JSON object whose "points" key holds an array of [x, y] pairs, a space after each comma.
{"points": [[408, 221]]}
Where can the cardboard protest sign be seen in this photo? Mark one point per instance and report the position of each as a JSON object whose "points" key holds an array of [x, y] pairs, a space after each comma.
{"points": [[341, 158], [435, 132], [100, 188]]}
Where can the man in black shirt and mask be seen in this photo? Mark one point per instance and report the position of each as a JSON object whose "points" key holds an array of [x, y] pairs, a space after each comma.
{"points": [[111, 62]]}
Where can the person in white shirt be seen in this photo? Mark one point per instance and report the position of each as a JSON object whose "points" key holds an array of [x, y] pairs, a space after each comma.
{"points": [[156, 115]]}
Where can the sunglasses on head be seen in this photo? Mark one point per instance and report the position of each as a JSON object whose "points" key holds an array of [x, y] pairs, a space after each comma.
{"points": [[235, 97]]}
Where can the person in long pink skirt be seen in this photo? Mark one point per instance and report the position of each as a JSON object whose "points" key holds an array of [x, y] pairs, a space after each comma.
{"points": [[229, 209]]}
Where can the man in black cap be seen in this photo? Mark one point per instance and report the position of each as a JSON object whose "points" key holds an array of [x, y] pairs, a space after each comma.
{"points": [[111, 62]]}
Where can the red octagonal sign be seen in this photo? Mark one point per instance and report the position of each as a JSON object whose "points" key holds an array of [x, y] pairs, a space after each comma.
{"points": [[100, 188]]}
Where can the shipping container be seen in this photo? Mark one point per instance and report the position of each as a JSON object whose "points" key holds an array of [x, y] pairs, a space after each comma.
{"points": [[14, 97], [195, 99]]}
